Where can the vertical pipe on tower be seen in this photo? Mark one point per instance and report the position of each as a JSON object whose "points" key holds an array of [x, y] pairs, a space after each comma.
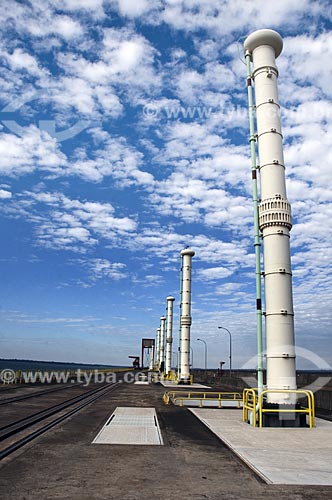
{"points": [[257, 241], [185, 318], [169, 336], [162, 344], [275, 220]]}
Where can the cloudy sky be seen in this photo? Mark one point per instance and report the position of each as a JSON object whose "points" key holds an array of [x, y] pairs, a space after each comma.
{"points": [[124, 138]]}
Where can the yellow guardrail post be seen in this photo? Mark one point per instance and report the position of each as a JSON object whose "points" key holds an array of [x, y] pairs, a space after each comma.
{"points": [[249, 404], [309, 410]]}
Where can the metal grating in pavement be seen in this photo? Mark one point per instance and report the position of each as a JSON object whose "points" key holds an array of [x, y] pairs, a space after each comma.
{"points": [[131, 426]]}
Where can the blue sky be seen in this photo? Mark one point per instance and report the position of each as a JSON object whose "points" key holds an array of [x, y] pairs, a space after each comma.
{"points": [[124, 138]]}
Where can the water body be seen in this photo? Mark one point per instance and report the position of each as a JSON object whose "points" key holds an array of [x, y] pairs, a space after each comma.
{"points": [[25, 364]]}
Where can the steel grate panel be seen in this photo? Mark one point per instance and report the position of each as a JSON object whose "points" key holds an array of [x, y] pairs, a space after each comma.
{"points": [[132, 420], [131, 426]]}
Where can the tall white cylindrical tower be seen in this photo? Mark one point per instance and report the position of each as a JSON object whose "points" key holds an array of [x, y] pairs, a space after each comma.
{"points": [[185, 318], [162, 344], [275, 219], [169, 335], [158, 349], [151, 354]]}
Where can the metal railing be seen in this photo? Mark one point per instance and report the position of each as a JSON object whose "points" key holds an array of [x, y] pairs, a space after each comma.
{"points": [[220, 397], [253, 405], [249, 410], [171, 376], [308, 410]]}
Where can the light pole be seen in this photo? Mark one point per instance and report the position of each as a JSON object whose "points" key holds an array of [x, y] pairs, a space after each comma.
{"points": [[192, 357], [230, 348], [201, 340]]}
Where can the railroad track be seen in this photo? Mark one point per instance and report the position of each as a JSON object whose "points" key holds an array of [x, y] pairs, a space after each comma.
{"points": [[73, 405], [35, 394]]}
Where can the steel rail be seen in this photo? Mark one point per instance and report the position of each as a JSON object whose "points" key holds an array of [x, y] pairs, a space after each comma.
{"points": [[42, 414], [30, 437], [35, 394]]}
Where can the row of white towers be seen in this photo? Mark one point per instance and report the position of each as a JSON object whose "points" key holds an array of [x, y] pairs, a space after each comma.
{"points": [[275, 222], [165, 330]]}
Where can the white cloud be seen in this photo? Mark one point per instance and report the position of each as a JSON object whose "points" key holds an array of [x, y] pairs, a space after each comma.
{"points": [[70, 224], [318, 50], [124, 57], [226, 17], [206, 171], [5, 195], [66, 27], [39, 20], [98, 268], [94, 7], [19, 60], [114, 157], [135, 9], [34, 150], [191, 86], [214, 273], [165, 243]]}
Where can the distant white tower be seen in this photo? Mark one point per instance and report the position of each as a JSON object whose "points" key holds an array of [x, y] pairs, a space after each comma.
{"points": [[185, 318], [169, 336], [162, 344], [275, 220], [151, 354], [158, 349]]}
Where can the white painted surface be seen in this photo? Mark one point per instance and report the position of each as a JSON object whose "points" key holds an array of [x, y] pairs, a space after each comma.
{"points": [[175, 386], [131, 426], [278, 455]]}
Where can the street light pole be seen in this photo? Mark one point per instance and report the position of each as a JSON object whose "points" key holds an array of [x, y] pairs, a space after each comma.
{"points": [[192, 357], [205, 352], [230, 348]]}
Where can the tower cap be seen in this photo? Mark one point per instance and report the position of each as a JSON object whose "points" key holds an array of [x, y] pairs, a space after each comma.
{"points": [[264, 37], [187, 251]]}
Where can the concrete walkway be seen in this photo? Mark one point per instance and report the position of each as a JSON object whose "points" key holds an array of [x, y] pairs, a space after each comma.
{"points": [[279, 456]]}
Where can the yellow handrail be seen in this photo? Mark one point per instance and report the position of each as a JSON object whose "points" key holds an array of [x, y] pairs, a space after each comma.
{"points": [[310, 409], [249, 404], [180, 396]]}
